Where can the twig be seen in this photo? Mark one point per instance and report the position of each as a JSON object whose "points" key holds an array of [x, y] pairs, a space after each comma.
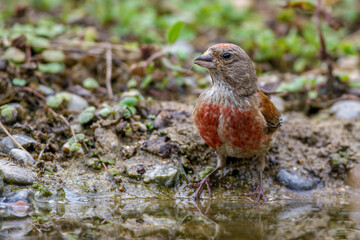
{"points": [[36, 93], [91, 45], [153, 57], [111, 213], [12, 138], [65, 121], [182, 168], [46, 146], [323, 53], [108, 71]]}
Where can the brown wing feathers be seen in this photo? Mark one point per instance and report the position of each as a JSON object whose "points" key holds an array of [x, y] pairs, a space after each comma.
{"points": [[270, 113]]}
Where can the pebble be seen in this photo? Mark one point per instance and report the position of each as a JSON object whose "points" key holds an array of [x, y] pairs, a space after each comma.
{"points": [[166, 118], [158, 146], [107, 139], [162, 175], [15, 174], [279, 103], [294, 181], [4, 149], [77, 103], [21, 157], [18, 202], [353, 178], [22, 139], [22, 195], [348, 109], [46, 90]]}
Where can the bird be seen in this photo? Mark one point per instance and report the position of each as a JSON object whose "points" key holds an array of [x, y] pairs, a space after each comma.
{"points": [[234, 117]]}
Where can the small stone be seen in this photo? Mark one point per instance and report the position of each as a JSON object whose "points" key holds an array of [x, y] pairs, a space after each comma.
{"points": [[22, 139], [163, 119], [20, 197], [353, 178], [158, 146], [162, 175], [293, 180], [21, 157], [348, 109], [15, 174], [20, 207], [77, 103], [46, 90], [279, 103], [4, 149], [107, 139]]}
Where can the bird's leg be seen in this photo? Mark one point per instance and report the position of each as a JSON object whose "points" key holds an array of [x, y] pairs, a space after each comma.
{"points": [[220, 163], [259, 192]]}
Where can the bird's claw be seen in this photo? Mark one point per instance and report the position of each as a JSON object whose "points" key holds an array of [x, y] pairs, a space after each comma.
{"points": [[200, 186], [259, 192]]}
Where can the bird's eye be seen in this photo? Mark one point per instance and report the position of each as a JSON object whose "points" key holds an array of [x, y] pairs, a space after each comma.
{"points": [[226, 55]]}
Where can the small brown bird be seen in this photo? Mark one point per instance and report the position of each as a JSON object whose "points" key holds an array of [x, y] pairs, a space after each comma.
{"points": [[234, 117]]}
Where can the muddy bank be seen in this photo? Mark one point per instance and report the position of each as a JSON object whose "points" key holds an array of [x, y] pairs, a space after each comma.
{"points": [[310, 154]]}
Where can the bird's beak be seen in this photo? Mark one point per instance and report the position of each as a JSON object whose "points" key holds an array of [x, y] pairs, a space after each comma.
{"points": [[205, 60]]}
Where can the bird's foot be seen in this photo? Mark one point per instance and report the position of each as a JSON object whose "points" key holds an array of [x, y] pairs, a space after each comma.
{"points": [[259, 192], [200, 186]]}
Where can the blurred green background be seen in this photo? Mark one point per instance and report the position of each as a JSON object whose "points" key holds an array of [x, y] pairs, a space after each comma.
{"points": [[281, 38]]}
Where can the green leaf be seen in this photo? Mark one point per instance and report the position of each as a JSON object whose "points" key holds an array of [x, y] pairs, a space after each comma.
{"points": [[354, 84], [312, 94], [128, 101], [58, 99], [19, 82], [87, 115], [90, 83], [75, 147], [53, 55], [54, 101], [147, 80], [174, 32], [302, 4], [7, 111], [14, 54], [114, 172], [293, 86], [104, 113], [150, 125], [51, 67]]}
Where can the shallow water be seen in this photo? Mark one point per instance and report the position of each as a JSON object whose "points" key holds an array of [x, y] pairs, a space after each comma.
{"points": [[183, 219]]}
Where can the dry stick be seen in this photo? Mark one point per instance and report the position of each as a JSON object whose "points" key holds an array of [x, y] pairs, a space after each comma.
{"points": [[66, 122], [153, 57], [12, 138], [46, 146], [323, 53], [92, 45], [108, 71]]}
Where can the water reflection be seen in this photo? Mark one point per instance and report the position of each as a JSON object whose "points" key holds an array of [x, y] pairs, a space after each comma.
{"points": [[120, 219]]}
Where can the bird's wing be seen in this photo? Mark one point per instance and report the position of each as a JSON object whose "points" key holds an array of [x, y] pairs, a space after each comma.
{"points": [[269, 111]]}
